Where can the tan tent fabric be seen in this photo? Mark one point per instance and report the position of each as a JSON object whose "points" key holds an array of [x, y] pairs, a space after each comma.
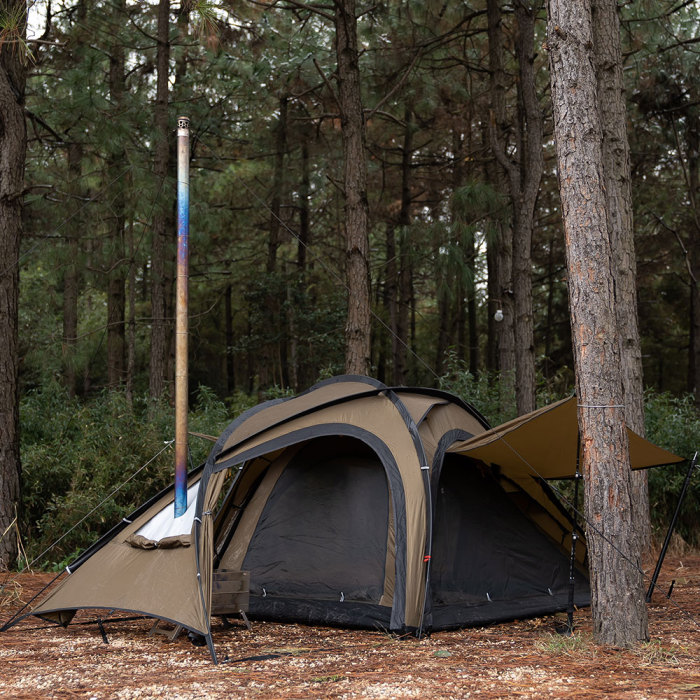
{"points": [[442, 419], [419, 405], [158, 582], [206, 545], [304, 402], [234, 555], [543, 443]]}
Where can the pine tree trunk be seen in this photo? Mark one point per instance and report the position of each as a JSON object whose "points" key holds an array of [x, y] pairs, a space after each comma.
{"points": [[400, 343], [619, 610], [692, 134], [549, 323], [131, 322], [472, 320], [505, 337], [618, 190], [304, 212], [492, 307], [292, 333], [403, 308], [159, 245], [443, 334], [391, 294], [70, 272], [116, 283], [272, 349], [278, 179], [525, 180], [13, 145], [358, 323], [230, 364]]}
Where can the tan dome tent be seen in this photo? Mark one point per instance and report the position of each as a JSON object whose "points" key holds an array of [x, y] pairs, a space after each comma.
{"points": [[359, 505]]}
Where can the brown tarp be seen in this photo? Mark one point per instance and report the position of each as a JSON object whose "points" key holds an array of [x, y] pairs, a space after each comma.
{"points": [[544, 444]]}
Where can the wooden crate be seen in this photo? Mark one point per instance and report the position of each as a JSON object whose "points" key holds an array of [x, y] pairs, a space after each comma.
{"points": [[230, 593]]}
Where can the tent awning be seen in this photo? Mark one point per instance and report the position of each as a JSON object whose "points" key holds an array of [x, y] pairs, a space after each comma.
{"points": [[544, 442]]}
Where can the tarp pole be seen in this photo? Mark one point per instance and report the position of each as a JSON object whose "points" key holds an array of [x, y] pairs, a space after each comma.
{"points": [[574, 538], [181, 386], [671, 528]]}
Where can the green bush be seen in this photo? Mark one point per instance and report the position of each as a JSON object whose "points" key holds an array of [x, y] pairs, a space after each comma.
{"points": [[75, 455], [673, 423], [493, 397]]}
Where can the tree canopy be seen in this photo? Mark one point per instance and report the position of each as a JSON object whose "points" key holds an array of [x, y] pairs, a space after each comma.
{"points": [[465, 266]]}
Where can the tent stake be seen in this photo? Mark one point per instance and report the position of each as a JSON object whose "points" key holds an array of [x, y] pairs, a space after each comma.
{"points": [[671, 528], [181, 388]]}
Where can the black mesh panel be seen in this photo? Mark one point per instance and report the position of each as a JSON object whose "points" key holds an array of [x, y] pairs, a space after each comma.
{"points": [[490, 561], [322, 534]]}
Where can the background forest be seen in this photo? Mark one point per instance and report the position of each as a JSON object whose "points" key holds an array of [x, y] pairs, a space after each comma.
{"points": [[458, 137]]}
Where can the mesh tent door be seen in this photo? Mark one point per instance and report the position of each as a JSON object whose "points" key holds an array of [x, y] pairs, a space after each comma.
{"points": [[318, 552]]}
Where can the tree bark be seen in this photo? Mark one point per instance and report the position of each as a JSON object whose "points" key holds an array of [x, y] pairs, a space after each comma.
{"points": [[391, 293], [304, 210], [618, 190], [230, 338], [619, 610], [498, 128], [524, 179], [278, 180], [358, 323], [159, 244], [524, 176], [116, 283], [13, 146], [400, 341], [131, 321], [70, 270], [692, 169]]}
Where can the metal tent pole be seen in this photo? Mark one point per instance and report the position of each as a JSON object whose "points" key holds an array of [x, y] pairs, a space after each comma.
{"points": [[671, 528], [181, 386]]}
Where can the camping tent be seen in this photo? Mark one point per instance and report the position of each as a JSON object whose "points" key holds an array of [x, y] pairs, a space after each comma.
{"points": [[355, 504]]}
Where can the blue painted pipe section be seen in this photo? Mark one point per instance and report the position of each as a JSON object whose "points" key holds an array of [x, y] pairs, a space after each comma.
{"points": [[181, 329]]}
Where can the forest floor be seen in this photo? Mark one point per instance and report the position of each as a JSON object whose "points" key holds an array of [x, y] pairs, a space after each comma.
{"points": [[523, 659]]}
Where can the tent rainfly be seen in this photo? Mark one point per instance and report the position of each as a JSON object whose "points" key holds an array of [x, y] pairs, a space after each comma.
{"points": [[355, 504]]}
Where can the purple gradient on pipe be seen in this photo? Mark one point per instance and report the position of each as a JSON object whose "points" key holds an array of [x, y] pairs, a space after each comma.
{"points": [[181, 329]]}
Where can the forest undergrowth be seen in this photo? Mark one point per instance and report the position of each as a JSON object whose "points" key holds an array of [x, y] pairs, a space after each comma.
{"points": [[94, 461]]}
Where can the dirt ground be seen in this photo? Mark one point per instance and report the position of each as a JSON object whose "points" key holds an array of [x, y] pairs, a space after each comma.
{"points": [[525, 659]]}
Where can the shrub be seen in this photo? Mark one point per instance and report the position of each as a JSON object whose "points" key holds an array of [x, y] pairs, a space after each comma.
{"points": [[673, 423], [76, 455]]}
